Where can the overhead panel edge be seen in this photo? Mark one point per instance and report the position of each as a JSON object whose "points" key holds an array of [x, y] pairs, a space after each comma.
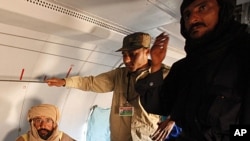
{"points": [[55, 18]]}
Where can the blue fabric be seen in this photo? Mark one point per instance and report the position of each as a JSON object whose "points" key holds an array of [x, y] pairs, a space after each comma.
{"points": [[98, 125], [175, 131]]}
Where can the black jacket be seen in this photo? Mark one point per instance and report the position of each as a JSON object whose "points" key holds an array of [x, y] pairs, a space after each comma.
{"points": [[208, 90]]}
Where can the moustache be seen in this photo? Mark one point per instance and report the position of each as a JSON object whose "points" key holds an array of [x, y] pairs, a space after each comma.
{"points": [[195, 25], [44, 129]]}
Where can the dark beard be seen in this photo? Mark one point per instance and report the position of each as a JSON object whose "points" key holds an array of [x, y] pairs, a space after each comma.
{"points": [[43, 135], [194, 45], [207, 37]]}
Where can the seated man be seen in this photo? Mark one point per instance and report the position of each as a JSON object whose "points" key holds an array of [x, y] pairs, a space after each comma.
{"points": [[43, 120]]}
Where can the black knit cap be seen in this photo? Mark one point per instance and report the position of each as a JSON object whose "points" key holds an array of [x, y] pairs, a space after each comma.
{"points": [[225, 14]]}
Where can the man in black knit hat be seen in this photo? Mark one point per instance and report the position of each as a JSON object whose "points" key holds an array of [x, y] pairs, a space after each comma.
{"points": [[209, 90]]}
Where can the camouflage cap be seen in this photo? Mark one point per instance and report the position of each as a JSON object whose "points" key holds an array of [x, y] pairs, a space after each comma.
{"points": [[135, 41]]}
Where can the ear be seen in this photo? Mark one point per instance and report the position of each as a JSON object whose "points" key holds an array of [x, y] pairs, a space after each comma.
{"points": [[54, 124], [30, 121]]}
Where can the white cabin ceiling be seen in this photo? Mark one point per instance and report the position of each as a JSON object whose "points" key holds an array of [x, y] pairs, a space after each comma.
{"points": [[152, 16], [100, 23]]}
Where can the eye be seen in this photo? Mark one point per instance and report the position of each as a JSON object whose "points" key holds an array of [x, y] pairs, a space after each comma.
{"points": [[49, 120], [37, 120], [186, 16], [131, 54], [202, 7], [125, 55]]}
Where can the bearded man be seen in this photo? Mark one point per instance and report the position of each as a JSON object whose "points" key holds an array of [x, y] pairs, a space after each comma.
{"points": [[43, 121], [207, 92]]}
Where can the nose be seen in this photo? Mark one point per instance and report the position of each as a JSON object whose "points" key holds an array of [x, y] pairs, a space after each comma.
{"points": [[126, 59], [193, 18], [42, 124]]}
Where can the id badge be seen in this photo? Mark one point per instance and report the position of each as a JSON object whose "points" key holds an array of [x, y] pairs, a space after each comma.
{"points": [[126, 111]]}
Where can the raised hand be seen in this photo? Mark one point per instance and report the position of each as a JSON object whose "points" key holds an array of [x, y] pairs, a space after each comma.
{"points": [[158, 51]]}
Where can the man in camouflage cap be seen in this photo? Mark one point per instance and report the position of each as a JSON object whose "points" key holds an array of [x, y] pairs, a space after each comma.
{"points": [[128, 119]]}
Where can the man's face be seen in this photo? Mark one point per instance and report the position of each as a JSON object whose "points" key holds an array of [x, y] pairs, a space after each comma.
{"points": [[201, 17], [135, 59], [44, 126]]}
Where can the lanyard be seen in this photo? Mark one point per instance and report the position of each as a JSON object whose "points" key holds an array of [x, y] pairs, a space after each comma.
{"points": [[129, 76], [127, 98]]}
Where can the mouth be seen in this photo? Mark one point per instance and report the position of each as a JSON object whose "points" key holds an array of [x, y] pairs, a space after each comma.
{"points": [[43, 132], [195, 27], [129, 66]]}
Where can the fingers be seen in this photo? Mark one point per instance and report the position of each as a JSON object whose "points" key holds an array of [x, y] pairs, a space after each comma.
{"points": [[161, 40], [169, 129], [162, 135], [159, 135], [163, 130], [55, 82], [50, 82], [160, 44], [156, 134]]}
